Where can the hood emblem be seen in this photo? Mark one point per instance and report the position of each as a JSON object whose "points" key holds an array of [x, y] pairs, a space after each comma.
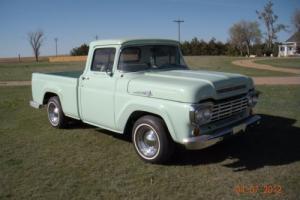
{"points": [[143, 93], [230, 89]]}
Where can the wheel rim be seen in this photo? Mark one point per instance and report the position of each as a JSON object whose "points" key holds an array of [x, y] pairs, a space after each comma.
{"points": [[147, 141], [53, 113]]}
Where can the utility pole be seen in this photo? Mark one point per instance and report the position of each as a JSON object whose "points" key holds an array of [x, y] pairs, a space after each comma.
{"points": [[56, 39], [178, 22], [96, 37]]}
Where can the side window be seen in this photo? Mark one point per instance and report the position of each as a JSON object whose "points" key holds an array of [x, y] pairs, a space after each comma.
{"points": [[103, 59]]}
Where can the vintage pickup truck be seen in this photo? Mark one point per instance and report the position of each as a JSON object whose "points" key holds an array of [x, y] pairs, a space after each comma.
{"points": [[143, 87]]}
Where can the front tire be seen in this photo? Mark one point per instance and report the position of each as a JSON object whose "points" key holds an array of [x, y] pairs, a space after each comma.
{"points": [[55, 113], [151, 139]]}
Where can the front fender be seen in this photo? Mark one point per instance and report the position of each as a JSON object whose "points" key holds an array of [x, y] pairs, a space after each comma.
{"points": [[175, 114], [154, 108]]}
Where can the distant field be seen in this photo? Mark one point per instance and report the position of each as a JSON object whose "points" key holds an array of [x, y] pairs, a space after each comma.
{"points": [[23, 59], [224, 64], [84, 162], [281, 62], [22, 71]]}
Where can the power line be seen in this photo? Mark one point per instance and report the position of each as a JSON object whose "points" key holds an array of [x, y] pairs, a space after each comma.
{"points": [[178, 22]]}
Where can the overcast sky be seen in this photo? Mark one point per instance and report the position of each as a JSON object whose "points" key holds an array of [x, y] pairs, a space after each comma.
{"points": [[75, 22]]}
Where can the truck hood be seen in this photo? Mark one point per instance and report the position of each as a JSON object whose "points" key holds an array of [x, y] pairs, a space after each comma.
{"points": [[188, 85]]}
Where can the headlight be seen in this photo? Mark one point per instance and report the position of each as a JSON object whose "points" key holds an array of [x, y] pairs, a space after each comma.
{"points": [[201, 114], [253, 98]]}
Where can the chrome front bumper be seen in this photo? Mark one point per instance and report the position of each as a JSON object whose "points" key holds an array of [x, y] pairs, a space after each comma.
{"points": [[202, 141]]}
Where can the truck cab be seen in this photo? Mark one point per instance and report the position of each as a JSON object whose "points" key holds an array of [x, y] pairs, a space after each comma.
{"points": [[143, 87]]}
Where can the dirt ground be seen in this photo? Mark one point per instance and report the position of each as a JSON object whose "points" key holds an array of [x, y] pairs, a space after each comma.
{"points": [[14, 83], [252, 64]]}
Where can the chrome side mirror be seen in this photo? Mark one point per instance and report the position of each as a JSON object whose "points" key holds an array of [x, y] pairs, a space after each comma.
{"points": [[109, 72]]}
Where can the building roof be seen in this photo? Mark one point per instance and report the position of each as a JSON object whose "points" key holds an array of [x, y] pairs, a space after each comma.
{"points": [[294, 38], [132, 42]]}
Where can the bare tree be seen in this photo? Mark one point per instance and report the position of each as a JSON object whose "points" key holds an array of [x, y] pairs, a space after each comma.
{"points": [[269, 18], [244, 34], [296, 20], [36, 40]]}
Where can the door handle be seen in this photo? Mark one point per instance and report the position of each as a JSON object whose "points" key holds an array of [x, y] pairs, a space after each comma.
{"points": [[85, 78]]}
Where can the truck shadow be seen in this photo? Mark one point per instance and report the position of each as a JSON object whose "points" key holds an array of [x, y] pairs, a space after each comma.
{"points": [[274, 142]]}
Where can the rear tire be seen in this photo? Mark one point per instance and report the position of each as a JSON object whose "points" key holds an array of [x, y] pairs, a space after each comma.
{"points": [[151, 140], [55, 113]]}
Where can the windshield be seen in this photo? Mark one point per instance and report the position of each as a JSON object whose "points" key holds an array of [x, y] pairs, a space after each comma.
{"points": [[150, 57]]}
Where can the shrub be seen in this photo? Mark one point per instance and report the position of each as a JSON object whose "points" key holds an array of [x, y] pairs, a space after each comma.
{"points": [[80, 51]]}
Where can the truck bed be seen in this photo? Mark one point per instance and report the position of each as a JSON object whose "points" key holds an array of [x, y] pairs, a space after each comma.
{"points": [[70, 74], [64, 84]]}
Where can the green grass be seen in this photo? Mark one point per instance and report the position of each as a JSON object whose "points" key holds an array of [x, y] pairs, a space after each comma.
{"points": [[281, 62], [224, 64], [84, 162], [22, 71]]}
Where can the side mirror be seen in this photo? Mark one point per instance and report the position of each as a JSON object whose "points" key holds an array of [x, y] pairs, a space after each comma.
{"points": [[109, 72]]}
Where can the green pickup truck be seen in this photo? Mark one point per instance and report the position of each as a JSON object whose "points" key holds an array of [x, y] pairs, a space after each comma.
{"points": [[143, 87]]}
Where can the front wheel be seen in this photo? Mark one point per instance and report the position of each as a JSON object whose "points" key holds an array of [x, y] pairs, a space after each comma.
{"points": [[151, 139]]}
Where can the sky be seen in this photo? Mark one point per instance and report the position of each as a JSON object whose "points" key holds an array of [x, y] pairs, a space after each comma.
{"points": [[75, 22]]}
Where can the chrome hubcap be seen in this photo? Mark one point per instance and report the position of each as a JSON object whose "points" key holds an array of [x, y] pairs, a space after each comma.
{"points": [[53, 113], [147, 141]]}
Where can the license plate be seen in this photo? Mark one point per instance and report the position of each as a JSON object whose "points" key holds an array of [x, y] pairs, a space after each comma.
{"points": [[239, 128]]}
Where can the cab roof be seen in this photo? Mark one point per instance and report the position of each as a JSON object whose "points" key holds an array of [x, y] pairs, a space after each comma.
{"points": [[125, 42]]}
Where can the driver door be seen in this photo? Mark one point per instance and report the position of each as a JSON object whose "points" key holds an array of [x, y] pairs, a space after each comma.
{"points": [[97, 90]]}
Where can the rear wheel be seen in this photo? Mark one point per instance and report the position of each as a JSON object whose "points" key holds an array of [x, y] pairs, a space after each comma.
{"points": [[56, 116], [151, 139]]}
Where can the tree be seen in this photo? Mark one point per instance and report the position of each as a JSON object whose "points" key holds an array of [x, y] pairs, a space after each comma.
{"points": [[80, 51], [244, 34], [212, 47], [195, 47], [296, 20], [269, 18], [36, 40], [185, 48]]}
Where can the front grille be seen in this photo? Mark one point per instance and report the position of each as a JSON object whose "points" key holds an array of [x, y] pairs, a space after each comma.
{"points": [[229, 108]]}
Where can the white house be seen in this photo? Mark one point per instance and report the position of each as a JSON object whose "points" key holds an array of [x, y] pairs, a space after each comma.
{"points": [[291, 47]]}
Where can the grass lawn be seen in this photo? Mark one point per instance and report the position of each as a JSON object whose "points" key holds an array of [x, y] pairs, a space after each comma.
{"points": [[22, 71], [84, 162], [281, 62], [224, 64]]}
